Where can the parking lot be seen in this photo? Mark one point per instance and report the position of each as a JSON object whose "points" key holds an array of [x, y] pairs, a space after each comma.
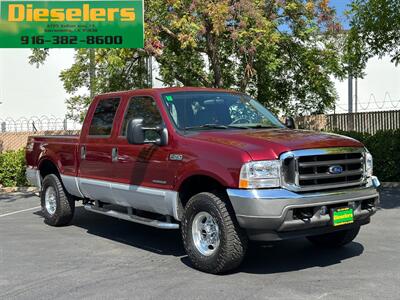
{"points": [[101, 257]]}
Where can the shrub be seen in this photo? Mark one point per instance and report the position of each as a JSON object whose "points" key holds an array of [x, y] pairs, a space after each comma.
{"points": [[12, 168], [385, 149]]}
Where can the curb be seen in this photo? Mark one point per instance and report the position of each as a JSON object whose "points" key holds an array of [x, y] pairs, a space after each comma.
{"points": [[390, 184], [19, 190]]}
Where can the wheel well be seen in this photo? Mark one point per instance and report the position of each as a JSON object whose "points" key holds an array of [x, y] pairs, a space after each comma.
{"points": [[47, 167], [197, 184]]}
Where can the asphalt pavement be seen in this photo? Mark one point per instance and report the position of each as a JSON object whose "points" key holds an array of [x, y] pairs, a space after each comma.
{"points": [[99, 257]]}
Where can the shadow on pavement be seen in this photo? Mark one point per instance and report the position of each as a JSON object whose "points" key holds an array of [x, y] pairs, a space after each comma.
{"points": [[277, 257], [294, 255], [390, 198], [291, 255], [11, 197], [164, 242]]}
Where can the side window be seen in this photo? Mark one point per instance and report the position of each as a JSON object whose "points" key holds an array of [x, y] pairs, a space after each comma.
{"points": [[142, 108], [103, 118]]}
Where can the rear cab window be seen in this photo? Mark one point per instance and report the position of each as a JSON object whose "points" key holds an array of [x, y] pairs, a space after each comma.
{"points": [[103, 117]]}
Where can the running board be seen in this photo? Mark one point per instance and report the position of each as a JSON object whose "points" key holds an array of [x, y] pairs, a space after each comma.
{"points": [[132, 218]]}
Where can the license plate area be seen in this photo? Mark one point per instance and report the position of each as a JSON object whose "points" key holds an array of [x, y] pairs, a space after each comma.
{"points": [[342, 216]]}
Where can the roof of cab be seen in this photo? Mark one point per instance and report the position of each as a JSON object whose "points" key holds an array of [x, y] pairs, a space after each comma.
{"points": [[165, 90]]}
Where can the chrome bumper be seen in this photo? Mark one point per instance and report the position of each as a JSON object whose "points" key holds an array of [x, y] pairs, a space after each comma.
{"points": [[273, 210], [33, 177]]}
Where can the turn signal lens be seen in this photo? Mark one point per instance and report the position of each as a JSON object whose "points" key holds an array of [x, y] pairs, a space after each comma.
{"points": [[369, 165]]}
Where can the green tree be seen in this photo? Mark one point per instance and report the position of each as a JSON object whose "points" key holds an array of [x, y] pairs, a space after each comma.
{"points": [[283, 52], [374, 31]]}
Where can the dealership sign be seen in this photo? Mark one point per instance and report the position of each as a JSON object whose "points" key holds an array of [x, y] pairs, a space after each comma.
{"points": [[71, 24]]}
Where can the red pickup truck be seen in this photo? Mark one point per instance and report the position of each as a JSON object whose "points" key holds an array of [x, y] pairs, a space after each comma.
{"points": [[214, 163]]}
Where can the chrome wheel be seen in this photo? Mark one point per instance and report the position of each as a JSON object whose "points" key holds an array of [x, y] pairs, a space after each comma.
{"points": [[50, 198], [205, 232]]}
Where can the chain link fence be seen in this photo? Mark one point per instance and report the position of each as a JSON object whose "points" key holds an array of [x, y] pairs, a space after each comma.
{"points": [[15, 132]]}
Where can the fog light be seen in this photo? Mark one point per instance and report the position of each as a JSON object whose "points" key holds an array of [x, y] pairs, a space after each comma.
{"points": [[323, 210]]}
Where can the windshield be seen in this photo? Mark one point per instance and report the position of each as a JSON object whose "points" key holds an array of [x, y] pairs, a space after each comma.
{"points": [[217, 110]]}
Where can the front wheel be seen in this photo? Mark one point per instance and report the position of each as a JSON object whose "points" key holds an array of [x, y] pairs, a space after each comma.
{"points": [[211, 235], [57, 206], [335, 239]]}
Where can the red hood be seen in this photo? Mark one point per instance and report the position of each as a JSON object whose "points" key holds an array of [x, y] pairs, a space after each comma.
{"points": [[270, 143]]}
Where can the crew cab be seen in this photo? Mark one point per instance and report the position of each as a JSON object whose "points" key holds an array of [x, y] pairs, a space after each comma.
{"points": [[215, 164]]}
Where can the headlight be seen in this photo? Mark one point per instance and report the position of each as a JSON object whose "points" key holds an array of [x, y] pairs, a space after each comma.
{"points": [[260, 174], [368, 164]]}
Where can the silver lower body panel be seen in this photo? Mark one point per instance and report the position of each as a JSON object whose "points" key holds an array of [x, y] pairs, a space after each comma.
{"points": [[160, 201]]}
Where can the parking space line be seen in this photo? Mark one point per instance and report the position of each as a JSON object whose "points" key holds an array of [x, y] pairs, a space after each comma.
{"points": [[19, 211]]}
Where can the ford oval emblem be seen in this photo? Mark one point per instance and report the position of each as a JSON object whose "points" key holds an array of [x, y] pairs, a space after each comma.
{"points": [[336, 169]]}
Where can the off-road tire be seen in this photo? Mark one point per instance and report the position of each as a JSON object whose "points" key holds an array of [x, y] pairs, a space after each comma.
{"points": [[233, 240], [65, 204], [335, 239]]}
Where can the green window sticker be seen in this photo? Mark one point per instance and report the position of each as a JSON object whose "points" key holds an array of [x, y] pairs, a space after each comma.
{"points": [[169, 98]]}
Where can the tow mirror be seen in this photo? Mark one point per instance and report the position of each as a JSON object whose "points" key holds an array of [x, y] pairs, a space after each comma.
{"points": [[136, 134], [289, 123]]}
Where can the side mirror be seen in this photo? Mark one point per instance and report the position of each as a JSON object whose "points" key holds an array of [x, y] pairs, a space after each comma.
{"points": [[289, 123], [136, 133]]}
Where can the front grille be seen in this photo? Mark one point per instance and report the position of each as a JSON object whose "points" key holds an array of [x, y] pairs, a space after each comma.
{"points": [[318, 169]]}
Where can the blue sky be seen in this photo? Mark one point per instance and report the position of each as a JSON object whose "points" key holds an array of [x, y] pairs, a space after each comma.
{"points": [[341, 6]]}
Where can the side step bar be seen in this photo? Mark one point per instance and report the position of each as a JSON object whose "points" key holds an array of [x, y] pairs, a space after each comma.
{"points": [[131, 218]]}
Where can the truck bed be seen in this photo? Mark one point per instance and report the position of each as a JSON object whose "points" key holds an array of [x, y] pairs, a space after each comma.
{"points": [[62, 149]]}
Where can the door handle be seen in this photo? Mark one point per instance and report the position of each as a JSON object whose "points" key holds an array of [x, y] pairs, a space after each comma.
{"points": [[114, 154], [83, 152]]}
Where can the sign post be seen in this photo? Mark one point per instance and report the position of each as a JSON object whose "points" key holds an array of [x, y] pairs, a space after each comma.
{"points": [[71, 24]]}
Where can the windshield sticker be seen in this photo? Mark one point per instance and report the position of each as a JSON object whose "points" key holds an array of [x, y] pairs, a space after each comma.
{"points": [[169, 98]]}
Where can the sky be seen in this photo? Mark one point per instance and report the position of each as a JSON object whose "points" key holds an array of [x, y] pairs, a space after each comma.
{"points": [[26, 91], [341, 6]]}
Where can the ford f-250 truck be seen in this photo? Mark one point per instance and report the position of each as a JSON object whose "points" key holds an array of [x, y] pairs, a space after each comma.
{"points": [[214, 163]]}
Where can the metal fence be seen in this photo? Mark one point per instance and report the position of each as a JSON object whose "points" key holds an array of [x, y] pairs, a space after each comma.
{"points": [[34, 124], [369, 122], [14, 132]]}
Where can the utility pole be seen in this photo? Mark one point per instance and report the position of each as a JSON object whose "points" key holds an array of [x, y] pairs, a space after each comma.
{"points": [[150, 71], [356, 94], [92, 71], [350, 94]]}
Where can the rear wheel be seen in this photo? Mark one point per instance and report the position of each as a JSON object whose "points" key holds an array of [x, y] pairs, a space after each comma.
{"points": [[335, 239], [57, 206], [212, 238]]}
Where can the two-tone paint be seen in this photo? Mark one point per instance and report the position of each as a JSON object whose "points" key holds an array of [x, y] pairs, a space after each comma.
{"points": [[149, 177]]}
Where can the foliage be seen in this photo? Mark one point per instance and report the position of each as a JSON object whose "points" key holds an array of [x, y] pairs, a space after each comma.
{"points": [[385, 149], [12, 168], [283, 52], [375, 31]]}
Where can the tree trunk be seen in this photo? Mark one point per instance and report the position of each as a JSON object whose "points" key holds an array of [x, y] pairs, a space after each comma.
{"points": [[213, 55]]}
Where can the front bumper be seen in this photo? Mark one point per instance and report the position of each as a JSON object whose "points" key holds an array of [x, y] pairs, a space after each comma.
{"points": [[273, 214]]}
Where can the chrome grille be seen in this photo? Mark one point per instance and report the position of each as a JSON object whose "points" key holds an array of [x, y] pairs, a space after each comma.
{"points": [[318, 169]]}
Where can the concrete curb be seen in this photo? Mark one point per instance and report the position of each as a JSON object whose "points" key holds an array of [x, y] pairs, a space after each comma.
{"points": [[19, 190], [390, 184]]}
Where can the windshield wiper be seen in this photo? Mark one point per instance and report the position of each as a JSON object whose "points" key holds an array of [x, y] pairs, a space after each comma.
{"points": [[260, 126], [238, 127], [205, 126]]}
